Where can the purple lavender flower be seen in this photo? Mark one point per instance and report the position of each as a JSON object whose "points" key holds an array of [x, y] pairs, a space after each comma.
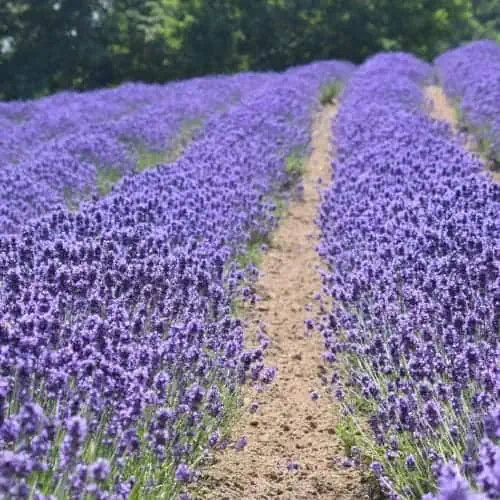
{"points": [[432, 414], [213, 439], [241, 443], [254, 406], [410, 462], [183, 474], [73, 442], [452, 485], [268, 375], [100, 470]]}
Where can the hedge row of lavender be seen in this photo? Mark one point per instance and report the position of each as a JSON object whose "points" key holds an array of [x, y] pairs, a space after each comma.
{"points": [[29, 125], [410, 234], [120, 358], [72, 146], [471, 76]]}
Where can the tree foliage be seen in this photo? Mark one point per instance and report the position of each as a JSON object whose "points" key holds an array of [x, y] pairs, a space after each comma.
{"points": [[56, 44]]}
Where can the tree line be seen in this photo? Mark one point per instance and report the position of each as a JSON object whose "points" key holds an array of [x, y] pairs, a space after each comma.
{"points": [[51, 45]]}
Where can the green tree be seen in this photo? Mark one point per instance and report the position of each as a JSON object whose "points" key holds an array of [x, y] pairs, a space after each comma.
{"points": [[487, 19], [56, 44]]}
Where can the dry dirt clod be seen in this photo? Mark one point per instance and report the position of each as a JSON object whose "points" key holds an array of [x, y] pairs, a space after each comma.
{"points": [[291, 425]]}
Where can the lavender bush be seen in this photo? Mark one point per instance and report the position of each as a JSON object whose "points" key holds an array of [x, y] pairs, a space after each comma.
{"points": [[120, 358], [471, 77], [31, 124], [410, 234], [70, 147]]}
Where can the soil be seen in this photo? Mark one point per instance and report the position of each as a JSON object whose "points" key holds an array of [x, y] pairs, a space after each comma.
{"points": [[443, 110], [289, 426]]}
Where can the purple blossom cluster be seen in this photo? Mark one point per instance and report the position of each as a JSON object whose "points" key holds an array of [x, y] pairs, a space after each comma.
{"points": [[120, 358], [471, 76], [55, 151], [410, 236]]}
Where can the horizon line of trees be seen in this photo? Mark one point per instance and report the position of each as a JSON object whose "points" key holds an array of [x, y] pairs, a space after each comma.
{"points": [[50, 45]]}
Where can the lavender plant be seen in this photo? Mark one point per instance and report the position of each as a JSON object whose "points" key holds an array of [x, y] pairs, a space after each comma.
{"points": [[410, 235], [71, 147], [120, 359], [471, 78]]}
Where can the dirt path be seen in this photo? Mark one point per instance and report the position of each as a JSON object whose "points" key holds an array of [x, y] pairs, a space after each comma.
{"points": [[443, 110], [289, 425]]}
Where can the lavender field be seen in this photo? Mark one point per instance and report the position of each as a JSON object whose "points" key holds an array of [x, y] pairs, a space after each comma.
{"points": [[133, 225]]}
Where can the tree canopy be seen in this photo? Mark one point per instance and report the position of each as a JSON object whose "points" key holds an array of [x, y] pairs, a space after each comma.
{"points": [[60, 44]]}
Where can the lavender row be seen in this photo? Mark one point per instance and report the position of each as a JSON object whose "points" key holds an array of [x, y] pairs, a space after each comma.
{"points": [[120, 357], [29, 125], [26, 125], [70, 154], [410, 235], [471, 77]]}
